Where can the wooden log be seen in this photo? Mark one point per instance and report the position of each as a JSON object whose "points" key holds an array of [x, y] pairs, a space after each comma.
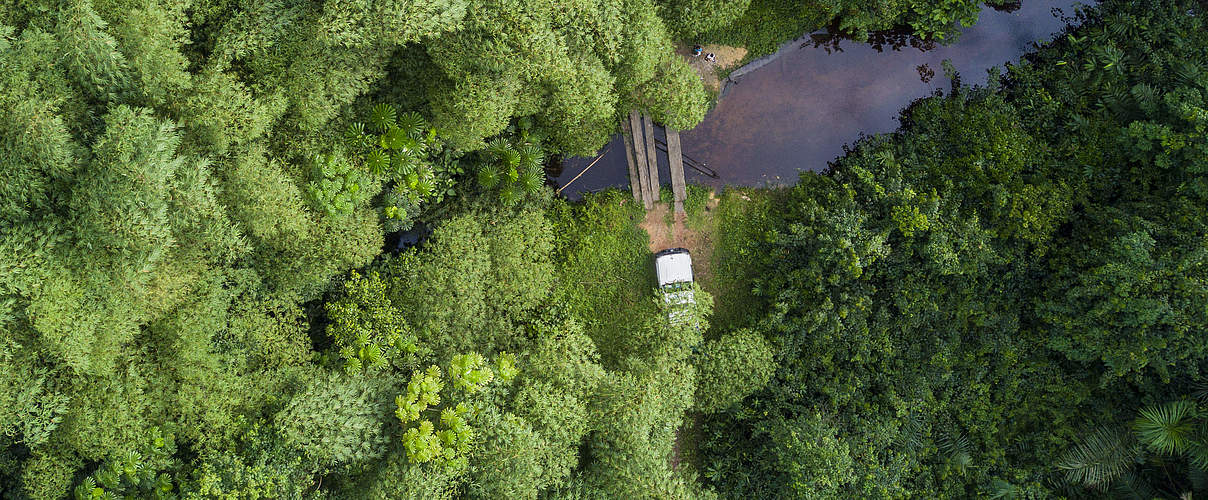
{"points": [[652, 157], [639, 150], [676, 159], [635, 184]]}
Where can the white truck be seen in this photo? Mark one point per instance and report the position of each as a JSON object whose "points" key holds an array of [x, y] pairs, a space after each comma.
{"points": [[673, 268]]}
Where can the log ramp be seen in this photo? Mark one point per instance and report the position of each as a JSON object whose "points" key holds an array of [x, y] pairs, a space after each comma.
{"points": [[642, 156]]}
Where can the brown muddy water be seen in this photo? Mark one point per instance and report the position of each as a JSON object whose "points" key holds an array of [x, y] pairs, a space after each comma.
{"points": [[799, 110]]}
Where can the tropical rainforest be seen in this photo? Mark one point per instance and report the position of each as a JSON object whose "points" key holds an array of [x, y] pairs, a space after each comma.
{"points": [[199, 297]]}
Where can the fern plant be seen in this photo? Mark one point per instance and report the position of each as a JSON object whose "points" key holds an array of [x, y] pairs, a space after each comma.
{"points": [[1103, 456], [956, 446], [1173, 434]]}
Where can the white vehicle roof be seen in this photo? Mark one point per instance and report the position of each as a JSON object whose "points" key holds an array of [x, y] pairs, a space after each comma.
{"points": [[673, 265]]}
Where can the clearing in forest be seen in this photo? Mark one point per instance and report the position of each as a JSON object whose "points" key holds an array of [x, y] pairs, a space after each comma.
{"points": [[727, 58], [694, 231]]}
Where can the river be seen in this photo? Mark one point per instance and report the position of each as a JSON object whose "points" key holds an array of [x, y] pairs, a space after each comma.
{"points": [[798, 111]]}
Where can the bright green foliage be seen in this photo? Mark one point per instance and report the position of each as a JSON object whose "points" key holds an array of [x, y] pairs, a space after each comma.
{"points": [[505, 366], [134, 473], [177, 210], [422, 391], [605, 259], [31, 409], [1167, 428], [730, 368], [451, 443], [675, 97], [469, 372], [369, 332], [476, 279], [338, 187], [573, 66]]}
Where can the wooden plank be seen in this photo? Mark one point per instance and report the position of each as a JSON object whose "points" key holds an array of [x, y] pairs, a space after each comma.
{"points": [[652, 157], [635, 184], [675, 158], [639, 153]]}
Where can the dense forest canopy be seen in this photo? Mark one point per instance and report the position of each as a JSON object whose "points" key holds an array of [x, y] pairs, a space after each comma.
{"points": [[1004, 298], [968, 306]]}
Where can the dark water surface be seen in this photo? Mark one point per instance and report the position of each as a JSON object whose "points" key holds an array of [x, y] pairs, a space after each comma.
{"points": [[797, 112]]}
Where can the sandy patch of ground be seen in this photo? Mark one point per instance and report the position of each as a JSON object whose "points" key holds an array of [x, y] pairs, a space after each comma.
{"points": [[727, 57], [698, 241]]}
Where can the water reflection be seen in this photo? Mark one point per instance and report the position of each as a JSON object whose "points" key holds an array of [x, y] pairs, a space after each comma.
{"points": [[797, 112]]}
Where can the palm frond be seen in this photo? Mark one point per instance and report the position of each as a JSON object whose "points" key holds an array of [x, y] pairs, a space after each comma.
{"points": [[404, 162], [1188, 73], [530, 155], [1198, 478], [1103, 456], [395, 138], [354, 137], [488, 176], [381, 118], [413, 124], [1130, 485], [1199, 390], [1145, 96], [511, 158], [510, 194], [531, 179], [910, 436], [1166, 428], [1002, 490], [424, 187], [956, 446], [497, 148], [1197, 449], [377, 161]]}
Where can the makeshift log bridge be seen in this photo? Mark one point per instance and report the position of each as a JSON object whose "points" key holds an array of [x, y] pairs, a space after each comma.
{"points": [[641, 153]]}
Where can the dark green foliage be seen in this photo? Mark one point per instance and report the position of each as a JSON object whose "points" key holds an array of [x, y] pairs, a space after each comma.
{"points": [[763, 25], [688, 19], [1166, 450], [956, 298], [1102, 457]]}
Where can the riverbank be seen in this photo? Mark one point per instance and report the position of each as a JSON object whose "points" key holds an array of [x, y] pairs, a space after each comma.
{"points": [[799, 108], [725, 58]]}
